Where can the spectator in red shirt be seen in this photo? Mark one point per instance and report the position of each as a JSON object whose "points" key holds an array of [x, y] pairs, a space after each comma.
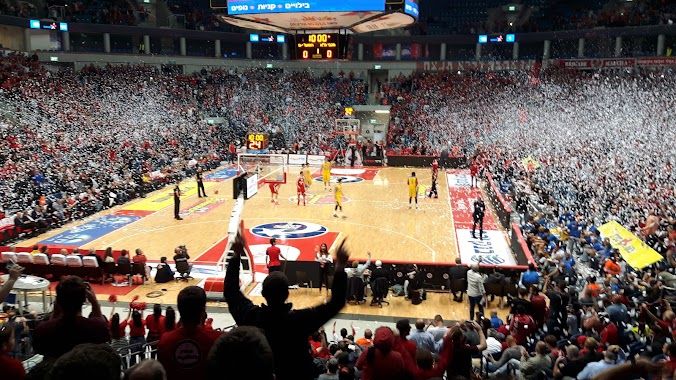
{"points": [[68, 328], [169, 320], [609, 333], [137, 334], [272, 256], [380, 361], [183, 352], [404, 328], [538, 306], [154, 324], [243, 347], [11, 368]]}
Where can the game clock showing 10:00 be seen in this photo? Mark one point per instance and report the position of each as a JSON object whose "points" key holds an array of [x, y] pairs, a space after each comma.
{"points": [[317, 46], [257, 141]]}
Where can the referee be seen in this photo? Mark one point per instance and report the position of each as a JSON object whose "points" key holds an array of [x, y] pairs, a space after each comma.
{"points": [[177, 202], [478, 216], [200, 184]]}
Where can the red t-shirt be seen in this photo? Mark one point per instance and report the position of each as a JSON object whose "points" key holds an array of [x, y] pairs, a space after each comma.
{"points": [[610, 335], [140, 259], [11, 368], [121, 327], [538, 307], [183, 352], [273, 252], [155, 327], [137, 330]]}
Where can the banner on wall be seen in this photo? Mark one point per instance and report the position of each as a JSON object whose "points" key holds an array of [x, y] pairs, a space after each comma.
{"points": [[633, 250], [477, 66]]}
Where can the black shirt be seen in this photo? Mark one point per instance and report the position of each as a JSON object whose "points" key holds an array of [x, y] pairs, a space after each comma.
{"points": [[479, 209], [572, 368], [199, 176], [458, 272]]}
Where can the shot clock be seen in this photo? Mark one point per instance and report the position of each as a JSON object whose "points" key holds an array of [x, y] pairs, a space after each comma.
{"points": [[317, 46], [257, 143]]}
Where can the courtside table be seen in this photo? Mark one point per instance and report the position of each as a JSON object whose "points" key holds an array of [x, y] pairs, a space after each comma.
{"points": [[27, 284]]}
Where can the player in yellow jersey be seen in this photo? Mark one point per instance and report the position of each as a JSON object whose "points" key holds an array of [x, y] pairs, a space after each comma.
{"points": [[412, 190], [307, 173], [338, 194], [326, 174]]}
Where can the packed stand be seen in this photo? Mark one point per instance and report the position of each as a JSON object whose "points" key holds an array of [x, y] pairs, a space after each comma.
{"points": [[54, 175]]}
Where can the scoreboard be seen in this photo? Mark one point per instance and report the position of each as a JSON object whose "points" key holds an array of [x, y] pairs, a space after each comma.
{"points": [[257, 143], [317, 46]]}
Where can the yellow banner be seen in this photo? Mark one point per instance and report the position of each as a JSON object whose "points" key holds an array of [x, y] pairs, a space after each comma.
{"points": [[530, 164], [633, 250], [166, 197]]}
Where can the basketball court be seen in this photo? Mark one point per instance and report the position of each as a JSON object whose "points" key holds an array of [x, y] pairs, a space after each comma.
{"points": [[379, 221]]}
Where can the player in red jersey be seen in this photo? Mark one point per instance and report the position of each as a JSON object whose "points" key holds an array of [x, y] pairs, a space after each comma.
{"points": [[274, 193], [300, 188], [474, 172], [435, 166]]}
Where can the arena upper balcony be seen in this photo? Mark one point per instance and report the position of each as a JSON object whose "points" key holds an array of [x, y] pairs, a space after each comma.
{"points": [[126, 43]]}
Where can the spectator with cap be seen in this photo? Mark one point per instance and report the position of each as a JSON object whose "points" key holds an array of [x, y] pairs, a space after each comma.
{"points": [[380, 361]]}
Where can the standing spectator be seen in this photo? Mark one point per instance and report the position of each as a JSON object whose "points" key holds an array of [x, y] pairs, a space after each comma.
{"points": [[183, 352], [437, 328], [456, 273], [10, 367], [380, 361], [286, 329], [422, 339], [137, 335], [401, 341], [475, 289], [169, 320], [458, 354], [67, 328], [325, 260], [154, 323], [529, 277]]}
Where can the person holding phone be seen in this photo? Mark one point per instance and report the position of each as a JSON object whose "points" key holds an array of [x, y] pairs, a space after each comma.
{"points": [[14, 274]]}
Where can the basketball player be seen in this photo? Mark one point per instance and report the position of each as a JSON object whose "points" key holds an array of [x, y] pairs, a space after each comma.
{"points": [[412, 190], [200, 184], [435, 166], [474, 172], [177, 202], [338, 193], [300, 188], [274, 193], [326, 174], [308, 176]]}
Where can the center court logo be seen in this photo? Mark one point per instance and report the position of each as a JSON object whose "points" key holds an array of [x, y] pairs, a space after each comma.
{"points": [[319, 199], [290, 230], [346, 179]]}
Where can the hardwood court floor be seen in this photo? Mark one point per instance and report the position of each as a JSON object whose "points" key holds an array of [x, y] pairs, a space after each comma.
{"points": [[378, 220]]}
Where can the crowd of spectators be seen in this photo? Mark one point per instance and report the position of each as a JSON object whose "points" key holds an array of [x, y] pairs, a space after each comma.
{"points": [[146, 127]]}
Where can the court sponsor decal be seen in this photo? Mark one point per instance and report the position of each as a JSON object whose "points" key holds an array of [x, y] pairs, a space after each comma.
{"points": [[87, 232], [165, 197], [493, 248], [319, 199], [459, 180], [334, 179], [221, 175], [366, 174], [289, 230], [202, 207]]}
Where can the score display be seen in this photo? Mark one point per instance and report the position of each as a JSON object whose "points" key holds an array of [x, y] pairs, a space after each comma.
{"points": [[257, 143], [317, 46], [242, 7]]}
